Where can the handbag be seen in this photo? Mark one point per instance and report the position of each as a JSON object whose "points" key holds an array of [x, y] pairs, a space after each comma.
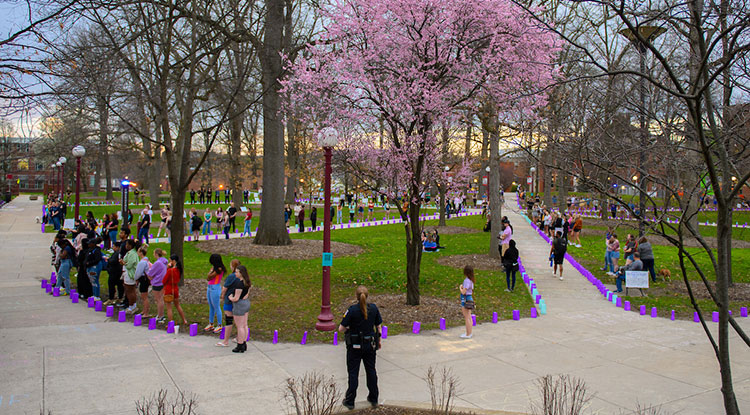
{"points": [[469, 304]]}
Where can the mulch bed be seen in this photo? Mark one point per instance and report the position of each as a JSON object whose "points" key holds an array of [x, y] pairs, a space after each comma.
{"points": [[300, 249], [625, 227], [451, 230], [393, 308], [393, 410], [478, 261], [740, 292]]}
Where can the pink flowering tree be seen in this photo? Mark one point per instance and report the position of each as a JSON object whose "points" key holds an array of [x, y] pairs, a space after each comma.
{"points": [[412, 64]]}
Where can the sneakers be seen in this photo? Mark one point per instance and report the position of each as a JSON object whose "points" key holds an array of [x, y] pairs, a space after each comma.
{"points": [[63, 293], [210, 327], [161, 320], [111, 301], [611, 274], [507, 290], [466, 336], [131, 309], [217, 329], [561, 277], [348, 405]]}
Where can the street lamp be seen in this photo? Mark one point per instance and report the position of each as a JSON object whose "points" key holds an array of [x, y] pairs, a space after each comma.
{"points": [[78, 152], [52, 177], [327, 138], [645, 35], [533, 182], [487, 169]]}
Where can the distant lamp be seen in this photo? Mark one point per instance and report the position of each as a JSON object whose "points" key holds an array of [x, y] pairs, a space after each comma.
{"points": [[532, 170], [635, 178], [62, 160], [79, 151], [487, 169], [125, 183]]}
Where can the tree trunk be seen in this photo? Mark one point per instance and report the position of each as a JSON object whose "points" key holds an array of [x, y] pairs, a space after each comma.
{"points": [[97, 178], [271, 227], [562, 190], [469, 134], [413, 229], [723, 259], [496, 208], [292, 155], [177, 229], [547, 177], [103, 110], [235, 155], [442, 188]]}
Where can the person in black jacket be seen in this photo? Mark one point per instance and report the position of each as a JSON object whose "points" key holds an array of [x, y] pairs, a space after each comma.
{"points": [[361, 323], [94, 265], [510, 262], [114, 269], [85, 290], [314, 218]]}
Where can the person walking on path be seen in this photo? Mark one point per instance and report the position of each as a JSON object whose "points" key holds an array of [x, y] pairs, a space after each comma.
{"points": [[213, 292], [240, 297], [248, 221], [558, 250], [172, 289], [647, 256], [156, 274], [467, 299], [361, 325], [510, 263], [575, 236], [142, 279]]}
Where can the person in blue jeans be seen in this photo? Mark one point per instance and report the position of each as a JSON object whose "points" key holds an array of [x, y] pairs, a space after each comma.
{"points": [[213, 292], [94, 265], [636, 265], [225, 293], [67, 255], [206, 222], [248, 221]]}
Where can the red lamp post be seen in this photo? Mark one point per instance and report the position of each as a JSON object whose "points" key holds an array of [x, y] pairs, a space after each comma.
{"points": [[78, 152], [62, 161], [327, 139], [58, 185]]}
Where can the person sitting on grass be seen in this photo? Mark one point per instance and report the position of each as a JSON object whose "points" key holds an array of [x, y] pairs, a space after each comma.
{"points": [[428, 242], [636, 265]]}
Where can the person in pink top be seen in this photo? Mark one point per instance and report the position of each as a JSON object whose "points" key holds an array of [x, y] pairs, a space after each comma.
{"points": [[156, 274], [213, 292], [613, 245]]}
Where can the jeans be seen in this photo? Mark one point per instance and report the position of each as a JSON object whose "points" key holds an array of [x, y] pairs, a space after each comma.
{"points": [[143, 234], [338, 216], [64, 273], [113, 236], [353, 359], [607, 262], [93, 273], [56, 223], [612, 257], [206, 227], [618, 281], [649, 265], [508, 272], [213, 292], [226, 231], [247, 229]]}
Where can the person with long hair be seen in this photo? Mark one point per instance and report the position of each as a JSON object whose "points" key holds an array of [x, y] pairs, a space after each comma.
{"points": [[510, 262], [228, 316], [67, 256], [361, 324], [248, 221], [240, 298], [164, 214], [213, 292], [156, 274], [206, 222], [172, 289], [467, 299]]}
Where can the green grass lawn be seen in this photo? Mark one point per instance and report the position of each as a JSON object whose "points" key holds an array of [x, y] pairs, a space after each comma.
{"points": [[290, 301], [591, 256]]}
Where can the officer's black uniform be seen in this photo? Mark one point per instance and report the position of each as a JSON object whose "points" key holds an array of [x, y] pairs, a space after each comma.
{"points": [[362, 342]]}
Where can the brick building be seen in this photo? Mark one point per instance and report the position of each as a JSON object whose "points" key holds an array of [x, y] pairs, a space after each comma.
{"points": [[21, 170]]}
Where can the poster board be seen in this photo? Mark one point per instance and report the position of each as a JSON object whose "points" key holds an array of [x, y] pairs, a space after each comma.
{"points": [[636, 279], [69, 224]]}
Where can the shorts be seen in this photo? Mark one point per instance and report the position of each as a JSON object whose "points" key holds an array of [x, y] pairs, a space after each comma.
{"points": [[465, 298], [614, 254], [559, 259], [227, 305], [155, 288], [143, 284], [240, 308]]}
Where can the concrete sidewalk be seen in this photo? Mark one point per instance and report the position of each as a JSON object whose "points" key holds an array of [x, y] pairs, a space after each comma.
{"points": [[65, 358]]}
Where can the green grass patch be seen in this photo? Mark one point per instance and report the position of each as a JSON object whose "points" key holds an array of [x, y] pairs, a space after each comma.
{"points": [[290, 301]]}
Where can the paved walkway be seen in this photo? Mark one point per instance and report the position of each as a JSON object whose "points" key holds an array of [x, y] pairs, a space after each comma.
{"points": [[68, 359]]}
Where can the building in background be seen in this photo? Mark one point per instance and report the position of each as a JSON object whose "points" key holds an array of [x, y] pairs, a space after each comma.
{"points": [[21, 170]]}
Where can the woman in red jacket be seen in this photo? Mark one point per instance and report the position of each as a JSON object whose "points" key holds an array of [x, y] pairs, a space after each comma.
{"points": [[172, 289]]}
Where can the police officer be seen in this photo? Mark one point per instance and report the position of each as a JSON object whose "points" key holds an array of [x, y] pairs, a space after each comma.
{"points": [[361, 324]]}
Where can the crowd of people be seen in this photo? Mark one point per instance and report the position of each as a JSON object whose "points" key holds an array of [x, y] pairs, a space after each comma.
{"points": [[131, 271]]}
